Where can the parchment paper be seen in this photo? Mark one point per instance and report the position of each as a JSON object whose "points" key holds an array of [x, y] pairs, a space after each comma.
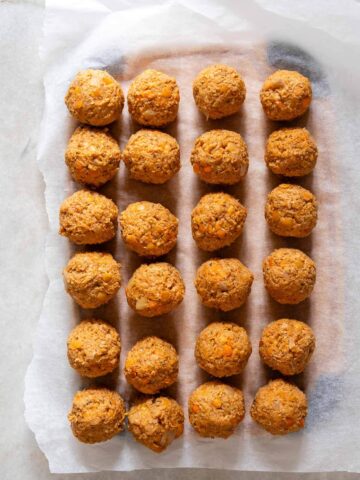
{"points": [[181, 40]]}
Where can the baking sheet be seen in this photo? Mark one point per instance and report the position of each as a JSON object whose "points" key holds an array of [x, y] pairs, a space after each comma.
{"points": [[123, 40]]}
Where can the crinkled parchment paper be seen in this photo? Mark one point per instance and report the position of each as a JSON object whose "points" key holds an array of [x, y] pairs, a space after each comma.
{"points": [[181, 39]]}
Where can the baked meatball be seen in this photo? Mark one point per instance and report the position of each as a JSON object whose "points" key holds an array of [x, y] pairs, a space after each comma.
{"points": [[220, 157], [94, 97], [287, 345], [96, 415], [217, 221], [152, 156], [88, 218], [156, 422], [153, 98], [289, 275], [92, 155], [291, 152], [149, 229], [223, 283], [93, 348], [285, 95], [216, 409], [151, 365], [291, 211], [279, 407], [92, 278], [155, 289], [219, 91], [223, 349]]}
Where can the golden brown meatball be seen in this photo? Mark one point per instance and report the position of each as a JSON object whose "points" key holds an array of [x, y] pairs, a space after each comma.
{"points": [[92, 155], [279, 407], [149, 229], [220, 157], [291, 152], [289, 275], [217, 221], [216, 409], [285, 95], [94, 97], [151, 365], [291, 211], [156, 422], [88, 218], [287, 345], [92, 278], [153, 98], [93, 348], [223, 283], [152, 156], [155, 289], [223, 349], [97, 414], [219, 91]]}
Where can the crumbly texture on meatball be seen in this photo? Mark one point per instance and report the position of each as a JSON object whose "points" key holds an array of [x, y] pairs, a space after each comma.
{"points": [[220, 157], [223, 349], [149, 229], [287, 345], [96, 415], [95, 97], [217, 221], [219, 91], [93, 348], [285, 95], [153, 98], [155, 289], [289, 275], [92, 155], [156, 422], [92, 278], [223, 283], [88, 218], [151, 365], [279, 407], [152, 156], [291, 211], [291, 152], [216, 409]]}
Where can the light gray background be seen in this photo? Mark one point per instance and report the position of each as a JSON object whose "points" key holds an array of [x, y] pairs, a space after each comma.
{"points": [[21, 99]]}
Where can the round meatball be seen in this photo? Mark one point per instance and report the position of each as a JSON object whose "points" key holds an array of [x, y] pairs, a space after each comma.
{"points": [[92, 155], [152, 156], [94, 97], [216, 409], [96, 415], [153, 98], [220, 157], [92, 278], [289, 275], [219, 91], [291, 152], [223, 349], [285, 95], [88, 218], [279, 407], [151, 365], [155, 289], [217, 221], [156, 422], [291, 211], [287, 345], [149, 229], [93, 348], [223, 283]]}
